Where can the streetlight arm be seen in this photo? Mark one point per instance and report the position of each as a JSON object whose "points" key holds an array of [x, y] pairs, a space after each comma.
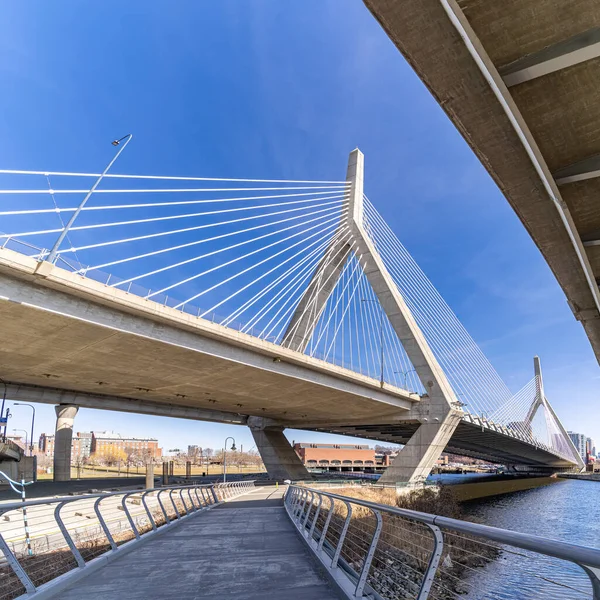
{"points": [[225, 456], [66, 228]]}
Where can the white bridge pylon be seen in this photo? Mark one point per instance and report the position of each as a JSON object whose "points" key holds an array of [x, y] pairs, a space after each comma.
{"points": [[308, 265], [438, 410]]}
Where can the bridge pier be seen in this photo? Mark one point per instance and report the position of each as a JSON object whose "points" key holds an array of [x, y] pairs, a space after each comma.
{"points": [[281, 461], [65, 416], [414, 462]]}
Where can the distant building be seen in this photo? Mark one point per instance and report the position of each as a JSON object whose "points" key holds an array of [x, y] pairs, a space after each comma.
{"points": [[579, 441], [86, 443], [340, 457], [108, 442], [194, 450], [19, 440], [591, 447], [81, 445], [46, 444]]}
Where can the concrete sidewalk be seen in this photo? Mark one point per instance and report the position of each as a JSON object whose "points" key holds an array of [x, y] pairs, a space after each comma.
{"points": [[245, 549]]}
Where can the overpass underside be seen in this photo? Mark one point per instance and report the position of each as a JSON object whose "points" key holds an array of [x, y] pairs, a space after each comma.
{"points": [[519, 80], [65, 344], [72, 341], [469, 439], [80, 342]]}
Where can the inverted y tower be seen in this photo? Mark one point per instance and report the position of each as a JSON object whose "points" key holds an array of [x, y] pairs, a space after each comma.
{"points": [[437, 411]]}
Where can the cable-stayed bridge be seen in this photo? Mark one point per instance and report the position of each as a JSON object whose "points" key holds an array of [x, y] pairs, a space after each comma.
{"points": [[270, 303]]}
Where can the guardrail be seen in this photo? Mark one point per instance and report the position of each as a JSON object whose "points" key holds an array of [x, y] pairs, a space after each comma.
{"points": [[381, 552], [68, 535]]}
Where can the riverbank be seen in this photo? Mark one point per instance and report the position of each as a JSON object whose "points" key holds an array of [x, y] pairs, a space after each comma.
{"points": [[464, 492], [581, 476]]}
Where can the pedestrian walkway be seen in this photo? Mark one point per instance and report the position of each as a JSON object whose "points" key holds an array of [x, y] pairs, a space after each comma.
{"points": [[244, 549]]}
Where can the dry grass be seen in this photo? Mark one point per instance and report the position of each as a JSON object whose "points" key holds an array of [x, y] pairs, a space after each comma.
{"points": [[405, 546]]}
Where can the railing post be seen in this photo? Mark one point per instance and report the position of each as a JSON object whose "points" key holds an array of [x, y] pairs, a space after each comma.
{"points": [[103, 524], [326, 526], [308, 509], [434, 561], [187, 512], [198, 497], [189, 493], [305, 497], [295, 501], [336, 556], [150, 517], [167, 520], [16, 567], [360, 586], [78, 558], [177, 515], [594, 575], [314, 522], [212, 489], [129, 517]]}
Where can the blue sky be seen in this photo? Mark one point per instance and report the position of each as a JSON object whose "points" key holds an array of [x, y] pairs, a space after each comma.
{"points": [[285, 90]]}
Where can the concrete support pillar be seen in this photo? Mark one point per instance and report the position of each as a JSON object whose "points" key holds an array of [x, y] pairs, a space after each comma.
{"points": [[415, 461], [65, 415], [188, 469], [276, 452], [149, 476], [165, 473]]}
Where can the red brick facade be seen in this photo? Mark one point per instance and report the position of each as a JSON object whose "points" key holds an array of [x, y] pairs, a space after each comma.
{"points": [[339, 457]]}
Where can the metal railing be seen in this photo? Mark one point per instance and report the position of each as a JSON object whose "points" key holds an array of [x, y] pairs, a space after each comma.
{"points": [[65, 535], [381, 552]]}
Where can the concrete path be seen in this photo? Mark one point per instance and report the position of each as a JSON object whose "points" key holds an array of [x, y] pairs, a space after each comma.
{"points": [[244, 549]]}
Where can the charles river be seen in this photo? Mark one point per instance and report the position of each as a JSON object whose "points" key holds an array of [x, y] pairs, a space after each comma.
{"points": [[566, 510]]}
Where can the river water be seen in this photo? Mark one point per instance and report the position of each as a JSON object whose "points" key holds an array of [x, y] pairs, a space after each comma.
{"points": [[568, 510]]}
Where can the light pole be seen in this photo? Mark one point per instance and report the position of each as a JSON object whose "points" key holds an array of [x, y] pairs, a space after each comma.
{"points": [[61, 237], [3, 418], [32, 424], [380, 334], [405, 374], [25, 432], [225, 456]]}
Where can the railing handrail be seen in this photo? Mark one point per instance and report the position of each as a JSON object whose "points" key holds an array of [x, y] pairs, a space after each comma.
{"points": [[525, 541], [54, 499], [159, 518]]}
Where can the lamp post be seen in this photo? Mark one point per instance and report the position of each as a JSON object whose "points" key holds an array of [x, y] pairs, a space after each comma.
{"points": [[225, 456], [25, 432], [380, 334], [3, 418], [405, 374], [54, 251], [32, 424]]}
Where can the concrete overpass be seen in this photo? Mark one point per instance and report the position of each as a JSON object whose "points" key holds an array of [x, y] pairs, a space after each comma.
{"points": [[519, 80], [73, 341]]}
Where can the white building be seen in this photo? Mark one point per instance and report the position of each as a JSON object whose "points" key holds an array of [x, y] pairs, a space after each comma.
{"points": [[579, 440]]}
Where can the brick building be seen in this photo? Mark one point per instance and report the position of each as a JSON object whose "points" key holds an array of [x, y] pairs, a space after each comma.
{"points": [[108, 442], [340, 457], [86, 443], [80, 446]]}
